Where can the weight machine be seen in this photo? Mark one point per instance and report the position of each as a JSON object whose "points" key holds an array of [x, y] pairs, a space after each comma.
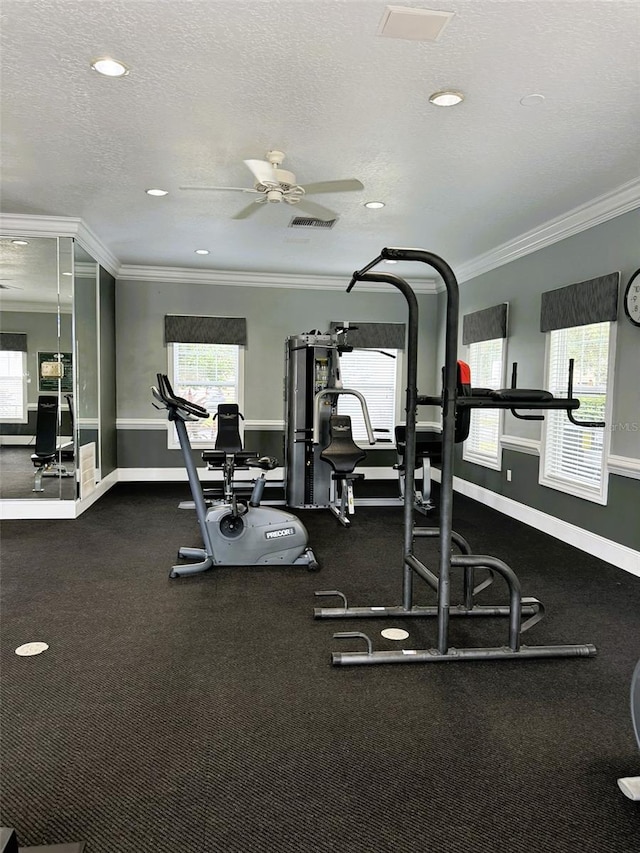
{"points": [[320, 454], [457, 400]]}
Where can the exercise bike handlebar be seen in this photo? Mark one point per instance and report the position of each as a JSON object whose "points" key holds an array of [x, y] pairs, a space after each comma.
{"points": [[177, 406]]}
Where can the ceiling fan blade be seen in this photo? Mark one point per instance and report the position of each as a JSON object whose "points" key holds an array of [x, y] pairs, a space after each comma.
{"points": [[232, 189], [263, 172], [249, 210], [345, 186], [316, 210]]}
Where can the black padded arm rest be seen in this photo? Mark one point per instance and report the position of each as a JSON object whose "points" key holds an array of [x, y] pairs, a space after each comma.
{"points": [[522, 395], [482, 392]]}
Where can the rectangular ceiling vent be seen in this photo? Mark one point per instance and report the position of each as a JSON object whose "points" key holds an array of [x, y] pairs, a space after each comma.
{"points": [[308, 222], [399, 22]]}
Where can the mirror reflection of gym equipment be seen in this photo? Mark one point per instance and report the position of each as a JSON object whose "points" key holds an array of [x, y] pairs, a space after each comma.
{"points": [[51, 336]]}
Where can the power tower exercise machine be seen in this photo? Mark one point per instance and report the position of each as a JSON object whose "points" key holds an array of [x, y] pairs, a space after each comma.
{"points": [[320, 454], [456, 401], [234, 533]]}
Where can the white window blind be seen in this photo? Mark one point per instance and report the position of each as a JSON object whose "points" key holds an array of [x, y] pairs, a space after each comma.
{"points": [[573, 456], [13, 387], [374, 375], [206, 374], [486, 361]]}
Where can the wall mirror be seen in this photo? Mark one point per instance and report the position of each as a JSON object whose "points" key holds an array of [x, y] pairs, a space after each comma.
{"points": [[86, 336], [36, 367]]}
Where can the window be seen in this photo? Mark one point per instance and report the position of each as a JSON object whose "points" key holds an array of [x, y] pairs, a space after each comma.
{"points": [[486, 361], [573, 457], [374, 374], [206, 374], [13, 387]]}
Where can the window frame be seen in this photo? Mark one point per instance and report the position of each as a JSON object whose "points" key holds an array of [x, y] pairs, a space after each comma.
{"points": [[600, 495], [468, 455], [172, 435], [25, 401], [382, 442]]}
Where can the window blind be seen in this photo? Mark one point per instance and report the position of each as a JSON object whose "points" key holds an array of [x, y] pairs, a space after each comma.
{"points": [[374, 375], [206, 374], [575, 454], [12, 386], [486, 360]]}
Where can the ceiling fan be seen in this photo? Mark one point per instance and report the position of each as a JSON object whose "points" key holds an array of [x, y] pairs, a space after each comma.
{"points": [[274, 185]]}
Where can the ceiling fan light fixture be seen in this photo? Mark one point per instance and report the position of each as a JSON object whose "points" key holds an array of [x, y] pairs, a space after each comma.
{"points": [[157, 192], [374, 205], [446, 98], [109, 67]]}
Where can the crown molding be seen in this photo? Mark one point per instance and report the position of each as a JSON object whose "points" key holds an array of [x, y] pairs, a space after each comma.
{"points": [[623, 199], [28, 225], [256, 279]]}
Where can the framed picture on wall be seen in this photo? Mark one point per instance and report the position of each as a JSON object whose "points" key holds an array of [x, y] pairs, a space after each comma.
{"points": [[54, 367]]}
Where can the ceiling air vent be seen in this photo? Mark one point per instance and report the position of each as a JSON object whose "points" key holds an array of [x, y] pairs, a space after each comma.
{"points": [[307, 222]]}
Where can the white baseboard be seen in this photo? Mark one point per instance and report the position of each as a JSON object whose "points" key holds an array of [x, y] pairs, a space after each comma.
{"points": [[605, 549], [13, 509], [101, 488]]}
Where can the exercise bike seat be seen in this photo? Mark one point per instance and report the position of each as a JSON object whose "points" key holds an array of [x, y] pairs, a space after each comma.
{"points": [[342, 453]]}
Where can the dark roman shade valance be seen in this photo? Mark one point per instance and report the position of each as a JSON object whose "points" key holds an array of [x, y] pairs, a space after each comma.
{"points": [[593, 301], [180, 329], [373, 335], [13, 342], [485, 325]]}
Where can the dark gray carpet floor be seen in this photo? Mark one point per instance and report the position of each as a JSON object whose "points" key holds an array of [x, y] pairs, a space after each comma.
{"points": [[203, 714]]}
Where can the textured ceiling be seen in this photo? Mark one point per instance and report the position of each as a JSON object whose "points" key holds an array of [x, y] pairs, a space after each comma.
{"points": [[214, 82]]}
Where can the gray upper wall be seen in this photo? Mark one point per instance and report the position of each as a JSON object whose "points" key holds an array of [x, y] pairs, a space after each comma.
{"points": [[42, 336], [272, 314], [609, 247]]}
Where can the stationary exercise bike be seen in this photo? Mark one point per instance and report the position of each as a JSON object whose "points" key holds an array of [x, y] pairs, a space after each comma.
{"points": [[234, 533]]}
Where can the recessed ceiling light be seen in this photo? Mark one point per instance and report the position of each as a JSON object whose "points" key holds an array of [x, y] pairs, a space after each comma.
{"points": [[531, 100], [67, 273], [20, 242], [446, 99], [374, 205], [109, 67], [157, 192], [202, 251], [391, 262]]}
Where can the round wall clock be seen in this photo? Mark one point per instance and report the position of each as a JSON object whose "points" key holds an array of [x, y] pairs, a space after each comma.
{"points": [[632, 298]]}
